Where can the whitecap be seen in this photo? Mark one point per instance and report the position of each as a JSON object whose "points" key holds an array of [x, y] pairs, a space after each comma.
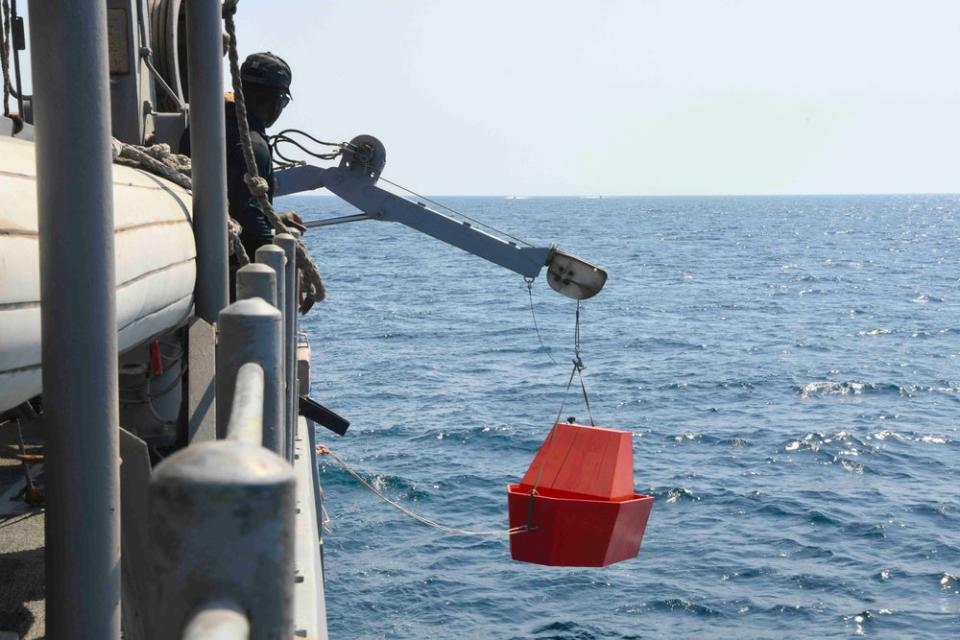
{"points": [[849, 465], [830, 387], [883, 435], [879, 331], [673, 495]]}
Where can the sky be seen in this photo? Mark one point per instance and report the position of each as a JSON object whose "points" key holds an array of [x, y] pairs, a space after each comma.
{"points": [[632, 97], [629, 97]]}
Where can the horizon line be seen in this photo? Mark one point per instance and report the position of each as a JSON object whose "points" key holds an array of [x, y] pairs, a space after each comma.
{"points": [[596, 196]]}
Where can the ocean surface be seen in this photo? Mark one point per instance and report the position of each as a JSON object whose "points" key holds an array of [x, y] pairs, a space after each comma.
{"points": [[790, 370]]}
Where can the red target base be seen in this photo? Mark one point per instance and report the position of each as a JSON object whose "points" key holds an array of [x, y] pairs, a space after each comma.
{"points": [[583, 512]]}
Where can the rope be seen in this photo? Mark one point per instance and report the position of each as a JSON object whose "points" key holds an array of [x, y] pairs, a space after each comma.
{"points": [[311, 282], [578, 367], [536, 326], [157, 159], [160, 161], [475, 222], [323, 450]]}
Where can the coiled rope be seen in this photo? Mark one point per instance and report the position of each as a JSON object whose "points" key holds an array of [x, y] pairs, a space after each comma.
{"points": [[325, 451], [177, 168], [311, 283]]}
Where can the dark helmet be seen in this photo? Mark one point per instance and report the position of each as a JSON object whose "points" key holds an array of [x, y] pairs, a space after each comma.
{"points": [[267, 70]]}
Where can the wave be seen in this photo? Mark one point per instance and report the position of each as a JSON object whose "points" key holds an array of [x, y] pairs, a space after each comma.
{"points": [[654, 345], [829, 387], [569, 630], [396, 487], [677, 494], [813, 440], [865, 618], [924, 438], [684, 605], [821, 388], [879, 331]]}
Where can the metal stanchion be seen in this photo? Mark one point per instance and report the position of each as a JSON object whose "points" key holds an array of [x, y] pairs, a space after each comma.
{"points": [[251, 331], [222, 526], [78, 317], [257, 281], [289, 245], [273, 256], [208, 154]]}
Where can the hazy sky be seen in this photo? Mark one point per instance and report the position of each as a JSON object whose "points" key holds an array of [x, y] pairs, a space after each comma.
{"points": [[630, 97], [543, 97]]}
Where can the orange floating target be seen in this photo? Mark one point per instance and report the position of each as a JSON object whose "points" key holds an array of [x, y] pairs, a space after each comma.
{"points": [[576, 506]]}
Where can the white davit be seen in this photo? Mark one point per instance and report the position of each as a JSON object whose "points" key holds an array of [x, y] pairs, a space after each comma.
{"points": [[155, 263]]}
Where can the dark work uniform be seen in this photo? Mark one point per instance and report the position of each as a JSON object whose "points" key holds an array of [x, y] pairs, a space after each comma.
{"points": [[243, 208]]}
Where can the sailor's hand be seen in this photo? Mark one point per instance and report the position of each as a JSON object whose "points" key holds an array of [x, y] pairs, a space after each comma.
{"points": [[290, 219]]}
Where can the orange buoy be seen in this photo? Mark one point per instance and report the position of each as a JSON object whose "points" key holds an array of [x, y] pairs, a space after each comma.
{"points": [[577, 500]]}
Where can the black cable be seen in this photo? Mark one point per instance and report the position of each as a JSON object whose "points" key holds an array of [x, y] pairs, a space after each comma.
{"points": [[18, 44], [285, 137], [307, 135], [277, 140], [146, 54]]}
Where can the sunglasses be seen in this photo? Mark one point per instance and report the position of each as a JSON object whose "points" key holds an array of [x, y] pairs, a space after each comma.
{"points": [[285, 100]]}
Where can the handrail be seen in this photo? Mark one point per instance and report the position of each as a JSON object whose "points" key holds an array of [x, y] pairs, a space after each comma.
{"points": [[246, 413], [213, 502], [218, 621]]}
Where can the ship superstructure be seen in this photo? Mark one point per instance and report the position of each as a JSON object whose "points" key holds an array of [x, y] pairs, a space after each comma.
{"points": [[152, 425]]}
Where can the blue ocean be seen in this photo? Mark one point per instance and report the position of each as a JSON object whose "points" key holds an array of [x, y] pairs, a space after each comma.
{"points": [[789, 368]]}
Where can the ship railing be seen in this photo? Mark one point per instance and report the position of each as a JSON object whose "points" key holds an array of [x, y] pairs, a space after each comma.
{"points": [[220, 620], [222, 512]]}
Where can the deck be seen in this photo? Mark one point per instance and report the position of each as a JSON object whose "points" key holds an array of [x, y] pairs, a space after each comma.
{"points": [[22, 543]]}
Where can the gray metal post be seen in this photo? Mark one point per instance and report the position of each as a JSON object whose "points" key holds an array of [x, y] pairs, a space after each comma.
{"points": [[257, 281], [208, 151], [289, 245], [251, 331], [274, 257], [222, 526], [78, 317]]}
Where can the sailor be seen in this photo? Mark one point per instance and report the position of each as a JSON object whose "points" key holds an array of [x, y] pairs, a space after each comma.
{"points": [[266, 89]]}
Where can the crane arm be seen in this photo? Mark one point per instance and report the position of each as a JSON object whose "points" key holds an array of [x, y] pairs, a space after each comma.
{"points": [[354, 181]]}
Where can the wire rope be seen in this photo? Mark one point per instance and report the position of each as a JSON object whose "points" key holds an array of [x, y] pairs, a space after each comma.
{"points": [[323, 450], [459, 213]]}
